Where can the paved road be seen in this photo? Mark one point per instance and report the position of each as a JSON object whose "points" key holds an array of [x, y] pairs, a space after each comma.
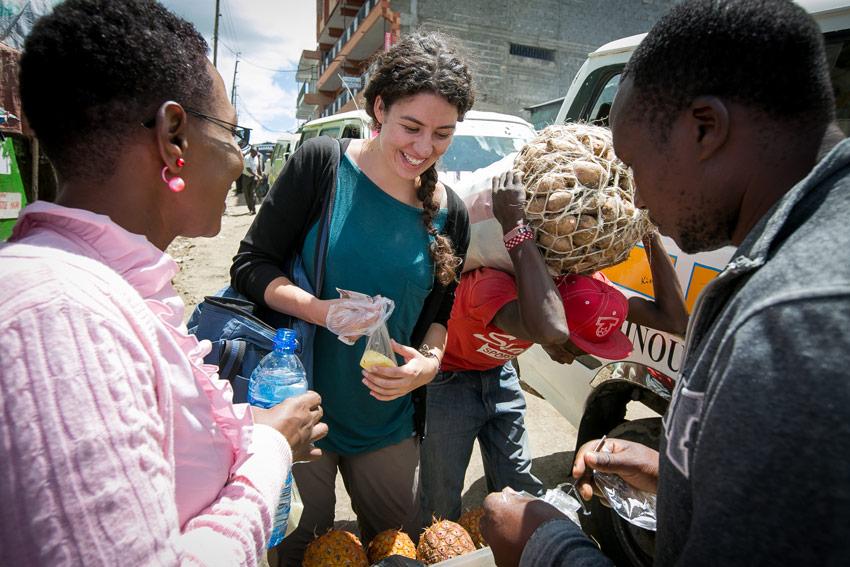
{"points": [[204, 269]]}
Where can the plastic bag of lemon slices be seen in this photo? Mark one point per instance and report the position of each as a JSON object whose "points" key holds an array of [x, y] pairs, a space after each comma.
{"points": [[366, 315], [379, 350]]}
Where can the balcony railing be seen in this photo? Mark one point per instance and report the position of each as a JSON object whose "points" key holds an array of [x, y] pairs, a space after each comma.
{"points": [[345, 96], [307, 87], [328, 57]]}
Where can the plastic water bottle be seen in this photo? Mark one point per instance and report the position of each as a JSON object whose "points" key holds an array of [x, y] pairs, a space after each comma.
{"points": [[278, 376]]}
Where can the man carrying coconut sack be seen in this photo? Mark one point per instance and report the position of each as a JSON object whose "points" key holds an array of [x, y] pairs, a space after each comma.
{"points": [[497, 316], [726, 114]]}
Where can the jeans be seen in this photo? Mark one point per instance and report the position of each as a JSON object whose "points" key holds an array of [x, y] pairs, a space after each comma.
{"points": [[463, 406]]}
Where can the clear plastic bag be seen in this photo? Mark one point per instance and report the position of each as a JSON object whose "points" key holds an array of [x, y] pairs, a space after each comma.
{"points": [[379, 349], [635, 506], [357, 315], [564, 502], [560, 499]]}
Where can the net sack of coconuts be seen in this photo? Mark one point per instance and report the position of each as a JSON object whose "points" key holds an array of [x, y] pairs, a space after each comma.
{"points": [[579, 202]]}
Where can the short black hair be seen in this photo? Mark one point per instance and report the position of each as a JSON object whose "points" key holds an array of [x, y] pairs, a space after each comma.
{"points": [[93, 69], [766, 54]]}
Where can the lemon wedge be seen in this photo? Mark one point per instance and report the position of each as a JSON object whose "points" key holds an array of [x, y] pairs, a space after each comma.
{"points": [[372, 358]]}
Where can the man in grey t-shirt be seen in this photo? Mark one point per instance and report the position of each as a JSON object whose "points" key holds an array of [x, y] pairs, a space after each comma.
{"points": [[726, 114]]}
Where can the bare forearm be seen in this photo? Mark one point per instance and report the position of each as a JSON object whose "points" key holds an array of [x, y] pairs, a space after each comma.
{"points": [[668, 312], [538, 314], [541, 311], [435, 338], [284, 296]]}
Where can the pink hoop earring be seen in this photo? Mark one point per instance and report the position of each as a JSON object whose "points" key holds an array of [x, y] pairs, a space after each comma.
{"points": [[176, 183]]}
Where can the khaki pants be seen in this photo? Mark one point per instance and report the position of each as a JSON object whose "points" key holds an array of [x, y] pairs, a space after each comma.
{"points": [[384, 490]]}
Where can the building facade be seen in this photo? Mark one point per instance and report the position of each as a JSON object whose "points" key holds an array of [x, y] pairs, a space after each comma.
{"points": [[522, 53]]}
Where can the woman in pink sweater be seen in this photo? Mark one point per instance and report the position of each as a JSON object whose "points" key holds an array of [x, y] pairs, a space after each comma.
{"points": [[118, 445]]}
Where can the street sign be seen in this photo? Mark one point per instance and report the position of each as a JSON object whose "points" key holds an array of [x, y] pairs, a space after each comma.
{"points": [[353, 83]]}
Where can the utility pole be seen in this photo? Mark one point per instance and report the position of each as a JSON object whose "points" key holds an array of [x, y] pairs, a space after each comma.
{"points": [[215, 33], [233, 86]]}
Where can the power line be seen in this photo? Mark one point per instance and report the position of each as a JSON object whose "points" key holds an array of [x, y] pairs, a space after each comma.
{"points": [[254, 118], [229, 18], [248, 61]]}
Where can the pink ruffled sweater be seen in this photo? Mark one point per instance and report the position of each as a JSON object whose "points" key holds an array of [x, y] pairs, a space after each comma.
{"points": [[119, 446]]}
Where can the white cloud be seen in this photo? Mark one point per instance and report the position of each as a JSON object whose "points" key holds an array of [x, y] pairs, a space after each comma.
{"points": [[269, 34]]}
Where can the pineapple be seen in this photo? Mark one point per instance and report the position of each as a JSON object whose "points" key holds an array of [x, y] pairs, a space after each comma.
{"points": [[372, 358], [471, 522], [337, 548], [390, 542], [443, 540]]}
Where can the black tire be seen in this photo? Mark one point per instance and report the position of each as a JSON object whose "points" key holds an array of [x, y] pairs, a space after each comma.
{"points": [[625, 544]]}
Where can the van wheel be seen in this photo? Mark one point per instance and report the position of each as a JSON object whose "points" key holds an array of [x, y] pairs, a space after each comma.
{"points": [[624, 543]]}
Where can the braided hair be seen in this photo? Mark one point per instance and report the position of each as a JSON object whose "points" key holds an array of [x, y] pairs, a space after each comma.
{"points": [[424, 63]]}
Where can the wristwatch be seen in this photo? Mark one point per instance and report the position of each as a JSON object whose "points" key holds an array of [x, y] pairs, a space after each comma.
{"points": [[425, 351]]}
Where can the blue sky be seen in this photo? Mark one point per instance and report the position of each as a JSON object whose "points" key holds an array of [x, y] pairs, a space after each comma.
{"points": [[270, 35]]}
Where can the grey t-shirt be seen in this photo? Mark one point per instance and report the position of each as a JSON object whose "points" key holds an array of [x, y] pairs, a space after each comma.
{"points": [[755, 461]]}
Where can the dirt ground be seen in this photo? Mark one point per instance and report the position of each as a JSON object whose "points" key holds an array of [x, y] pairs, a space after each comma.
{"points": [[205, 263]]}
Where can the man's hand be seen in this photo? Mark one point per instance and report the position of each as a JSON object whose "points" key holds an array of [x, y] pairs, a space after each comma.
{"points": [[508, 200], [635, 463], [297, 418], [389, 383], [508, 522], [564, 353]]}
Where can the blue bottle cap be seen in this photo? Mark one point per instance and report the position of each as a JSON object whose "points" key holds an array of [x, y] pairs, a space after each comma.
{"points": [[284, 339]]}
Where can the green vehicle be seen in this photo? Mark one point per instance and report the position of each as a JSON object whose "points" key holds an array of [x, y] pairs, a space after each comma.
{"points": [[283, 148]]}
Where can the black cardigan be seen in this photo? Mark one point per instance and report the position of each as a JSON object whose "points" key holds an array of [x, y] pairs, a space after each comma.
{"points": [[294, 204]]}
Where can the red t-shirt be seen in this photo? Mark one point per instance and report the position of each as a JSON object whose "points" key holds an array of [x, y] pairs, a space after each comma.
{"points": [[473, 342]]}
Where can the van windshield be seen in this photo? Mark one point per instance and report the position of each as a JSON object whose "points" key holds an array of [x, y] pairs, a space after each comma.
{"points": [[468, 153], [307, 134]]}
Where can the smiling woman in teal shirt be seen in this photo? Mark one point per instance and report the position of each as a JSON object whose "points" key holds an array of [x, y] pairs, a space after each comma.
{"points": [[377, 245], [394, 231]]}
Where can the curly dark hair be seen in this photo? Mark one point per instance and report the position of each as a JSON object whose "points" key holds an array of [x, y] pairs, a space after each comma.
{"points": [[424, 63], [766, 54], [93, 70]]}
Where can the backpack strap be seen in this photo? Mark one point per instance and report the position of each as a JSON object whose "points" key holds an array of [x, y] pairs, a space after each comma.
{"points": [[323, 234], [230, 359]]}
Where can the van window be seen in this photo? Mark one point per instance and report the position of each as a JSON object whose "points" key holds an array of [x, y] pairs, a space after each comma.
{"points": [[602, 105], [307, 134], [332, 131], [838, 58], [351, 131]]}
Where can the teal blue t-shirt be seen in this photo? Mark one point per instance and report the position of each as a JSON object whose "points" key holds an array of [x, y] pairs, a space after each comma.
{"points": [[377, 245]]}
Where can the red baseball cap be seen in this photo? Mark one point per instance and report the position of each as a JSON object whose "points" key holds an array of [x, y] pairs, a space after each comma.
{"points": [[595, 312]]}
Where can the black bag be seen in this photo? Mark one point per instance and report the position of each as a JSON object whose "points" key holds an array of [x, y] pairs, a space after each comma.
{"points": [[242, 333]]}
